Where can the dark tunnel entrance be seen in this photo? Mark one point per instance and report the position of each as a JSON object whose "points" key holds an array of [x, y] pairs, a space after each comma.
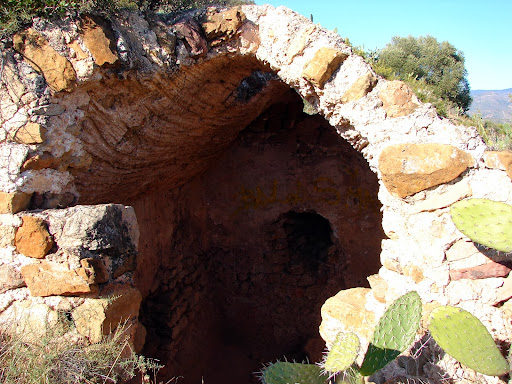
{"points": [[309, 238], [248, 251]]}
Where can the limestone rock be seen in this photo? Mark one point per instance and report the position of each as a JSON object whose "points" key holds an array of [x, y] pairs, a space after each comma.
{"points": [[499, 160], [108, 231], [221, 26], [506, 309], [444, 199], [484, 271], [323, 65], [7, 234], [33, 238], [98, 317], [410, 168], [346, 312], [97, 42], [299, 42], [505, 291], [14, 202], [31, 321], [10, 278], [462, 249], [30, 133], [49, 278], [360, 88], [398, 99], [12, 156], [56, 69]]}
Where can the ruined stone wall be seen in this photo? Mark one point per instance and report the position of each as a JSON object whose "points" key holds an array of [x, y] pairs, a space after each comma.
{"points": [[187, 136]]}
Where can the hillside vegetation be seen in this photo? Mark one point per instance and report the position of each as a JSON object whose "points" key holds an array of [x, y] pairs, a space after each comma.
{"points": [[16, 14], [436, 73]]}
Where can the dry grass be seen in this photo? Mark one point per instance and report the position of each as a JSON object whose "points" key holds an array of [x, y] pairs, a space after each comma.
{"points": [[65, 358]]}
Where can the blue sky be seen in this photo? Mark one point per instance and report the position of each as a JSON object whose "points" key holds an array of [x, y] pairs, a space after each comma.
{"points": [[479, 28]]}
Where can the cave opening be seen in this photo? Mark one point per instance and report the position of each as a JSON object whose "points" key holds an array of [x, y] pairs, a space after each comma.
{"points": [[251, 213], [309, 237], [286, 217]]}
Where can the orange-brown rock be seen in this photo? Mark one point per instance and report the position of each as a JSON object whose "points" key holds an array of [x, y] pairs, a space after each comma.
{"points": [[96, 270], [409, 168], [97, 42], [323, 65], [221, 26], [98, 317], [398, 99], [42, 161], [32, 238], [346, 312], [30, 133], [56, 69], [499, 160], [48, 278], [14, 202], [414, 272], [360, 88], [379, 287]]}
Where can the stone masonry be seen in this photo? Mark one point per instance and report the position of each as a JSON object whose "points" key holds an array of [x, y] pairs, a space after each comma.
{"points": [[95, 114]]}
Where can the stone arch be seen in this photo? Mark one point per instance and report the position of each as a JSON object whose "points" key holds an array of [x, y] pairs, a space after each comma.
{"points": [[156, 112]]}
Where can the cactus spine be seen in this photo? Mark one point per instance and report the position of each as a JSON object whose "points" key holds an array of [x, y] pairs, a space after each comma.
{"points": [[484, 221], [466, 339], [292, 373], [394, 333]]}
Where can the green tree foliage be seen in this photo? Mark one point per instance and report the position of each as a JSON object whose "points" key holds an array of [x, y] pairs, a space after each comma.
{"points": [[440, 66]]}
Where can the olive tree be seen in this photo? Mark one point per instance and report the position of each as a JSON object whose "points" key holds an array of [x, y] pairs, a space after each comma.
{"points": [[440, 65]]}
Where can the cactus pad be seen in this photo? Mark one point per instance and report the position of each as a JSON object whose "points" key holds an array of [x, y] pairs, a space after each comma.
{"points": [[484, 221], [466, 339], [350, 376], [394, 333], [343, 353], [292, 373]]}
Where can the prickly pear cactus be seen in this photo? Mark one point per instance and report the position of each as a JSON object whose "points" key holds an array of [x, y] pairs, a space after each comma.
{"points": [[466, 339], [293, 373], [343, 353], [394, 333], [350, 376], [484, 221]]}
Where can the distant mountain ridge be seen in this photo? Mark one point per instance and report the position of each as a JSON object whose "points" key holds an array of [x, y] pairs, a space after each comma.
{"points": [[492, 105]]}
